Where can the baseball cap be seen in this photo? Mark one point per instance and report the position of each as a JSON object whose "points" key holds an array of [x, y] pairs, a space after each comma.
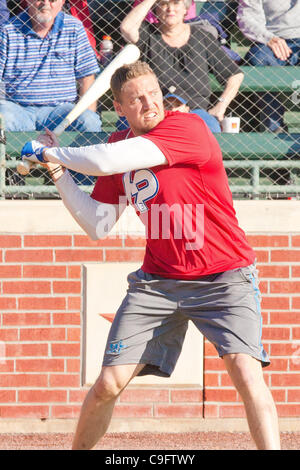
{"points": [[179, 98]]}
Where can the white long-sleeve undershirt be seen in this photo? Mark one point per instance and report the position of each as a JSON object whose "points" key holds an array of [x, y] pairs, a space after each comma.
{"points": [[95, 218], [108, 159]]}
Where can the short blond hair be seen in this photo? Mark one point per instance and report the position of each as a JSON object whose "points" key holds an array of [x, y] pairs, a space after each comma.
{"points": [[125, 73]]}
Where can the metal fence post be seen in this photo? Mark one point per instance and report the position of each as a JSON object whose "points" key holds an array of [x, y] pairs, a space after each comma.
{"points": [[2, 158]]}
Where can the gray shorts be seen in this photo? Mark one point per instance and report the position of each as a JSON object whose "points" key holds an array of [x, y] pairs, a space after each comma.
{"points": [[151, 323]]}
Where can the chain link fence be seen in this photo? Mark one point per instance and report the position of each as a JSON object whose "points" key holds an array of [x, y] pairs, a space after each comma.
{"points": [[261, 161]]}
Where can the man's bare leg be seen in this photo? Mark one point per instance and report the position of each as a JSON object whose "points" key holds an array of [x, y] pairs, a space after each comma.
{"points": [[246, 374], [98, 406]]}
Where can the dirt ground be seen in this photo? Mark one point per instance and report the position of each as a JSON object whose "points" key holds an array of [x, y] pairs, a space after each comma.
{"points": [[146, 441]]}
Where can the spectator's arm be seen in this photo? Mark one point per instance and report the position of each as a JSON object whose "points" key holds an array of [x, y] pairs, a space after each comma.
{"points": [[131, 24], [252, 21], [84, 84], [4, 12], [231, 89]]}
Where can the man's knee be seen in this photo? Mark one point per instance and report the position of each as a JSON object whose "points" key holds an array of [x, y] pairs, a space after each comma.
{"points": [[246, 373], [108, 385], [89, 121]]}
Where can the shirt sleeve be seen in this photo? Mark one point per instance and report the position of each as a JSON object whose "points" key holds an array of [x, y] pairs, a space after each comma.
{"points": [[3, 51], [183, 138], [252, 21], [86, 62], [219, 62]]}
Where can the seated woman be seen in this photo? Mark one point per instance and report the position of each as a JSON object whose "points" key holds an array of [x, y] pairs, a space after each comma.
{"points": [[182, 55]]}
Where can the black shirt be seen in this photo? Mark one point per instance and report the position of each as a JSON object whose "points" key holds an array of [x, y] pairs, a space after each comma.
{"points": [[186, 67]]}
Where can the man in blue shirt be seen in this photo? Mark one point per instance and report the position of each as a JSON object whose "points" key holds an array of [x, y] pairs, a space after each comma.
{"points": [[4, 12], [45, 56]]}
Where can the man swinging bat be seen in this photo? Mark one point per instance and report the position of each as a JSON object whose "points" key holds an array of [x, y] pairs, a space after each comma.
{"points": [[206, 273]]}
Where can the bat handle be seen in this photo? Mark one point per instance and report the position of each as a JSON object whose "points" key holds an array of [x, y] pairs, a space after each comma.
{"points": [[24, 167]]}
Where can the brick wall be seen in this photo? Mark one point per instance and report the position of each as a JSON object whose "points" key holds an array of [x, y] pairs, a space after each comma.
{"points": [[40, 334]]}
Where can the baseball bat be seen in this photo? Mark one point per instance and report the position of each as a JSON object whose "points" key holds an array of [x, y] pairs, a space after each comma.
{"points": [[129, 54]]}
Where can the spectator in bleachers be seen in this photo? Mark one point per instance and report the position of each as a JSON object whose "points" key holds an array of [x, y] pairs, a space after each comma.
{"points": [[44, 56], [4, 12], [274, 27], [173, 102], [182, 55]]}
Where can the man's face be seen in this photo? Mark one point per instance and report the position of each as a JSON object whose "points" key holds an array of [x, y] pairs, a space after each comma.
{"points": [[44, 11], [141, 102]]}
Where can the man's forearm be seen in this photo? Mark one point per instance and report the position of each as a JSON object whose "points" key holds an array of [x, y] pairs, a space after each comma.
{"points": [[131, 24]]}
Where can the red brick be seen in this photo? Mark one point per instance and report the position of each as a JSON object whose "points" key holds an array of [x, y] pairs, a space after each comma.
{"points": [[192, 395], [8, 334], [211, 379], [220, 395], [42, 303], [77, 396], [29, 256], [288, 410], [214, 364], [10, 270], [65, 411], [8, 303], [26, 350], [285, 287], [26, 287], [273, 271], [296, 240], [23, 380], [232, 411], [66, 287], [44, 271], [178, 411], [283, 349], [284, 318], [258, 241], [47, 240], [64, 380], [296, 333], [279, 333], [42, 334], [74, 303], [82, 240], [66, 318], [262, 256], [7, 396], [125, 255], [293, 396], [42, 396], [24, 411], [135, 241], [21, 319], [74, 272], [278, 364], [295, 271], [133, 411], [296, 302], [210, 411], [278, 395], [275, 303], [78, 255], [73, 365], [285, 255], [6, 365], [10, 241], [144, 395], [285, 380], [65, 349], [74, 334], [39, 365]]}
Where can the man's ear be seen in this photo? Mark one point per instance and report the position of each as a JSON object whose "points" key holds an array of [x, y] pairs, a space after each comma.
{"points": [[118, 108]]}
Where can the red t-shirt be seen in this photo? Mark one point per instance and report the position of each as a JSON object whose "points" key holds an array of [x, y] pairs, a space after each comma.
{"points": [[186, 205]]}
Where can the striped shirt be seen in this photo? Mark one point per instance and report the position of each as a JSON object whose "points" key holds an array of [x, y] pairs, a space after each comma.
{"points": [[43, 71]]}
